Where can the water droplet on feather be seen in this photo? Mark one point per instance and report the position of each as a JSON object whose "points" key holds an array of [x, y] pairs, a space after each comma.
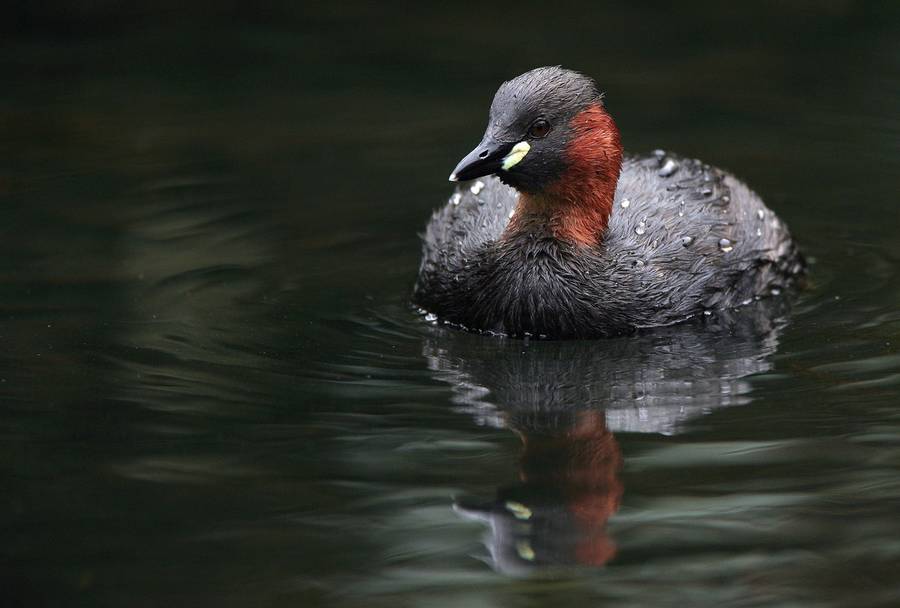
{"points": [[668, 168]]}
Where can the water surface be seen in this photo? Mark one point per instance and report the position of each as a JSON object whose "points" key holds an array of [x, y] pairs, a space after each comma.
{"points": [[214, 391]]}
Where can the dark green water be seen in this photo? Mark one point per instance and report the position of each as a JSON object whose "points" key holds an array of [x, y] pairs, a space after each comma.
{"points": [[214, 392]]}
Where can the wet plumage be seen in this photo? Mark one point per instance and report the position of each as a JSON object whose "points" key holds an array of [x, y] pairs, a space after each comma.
{"points": [[682, 238]]}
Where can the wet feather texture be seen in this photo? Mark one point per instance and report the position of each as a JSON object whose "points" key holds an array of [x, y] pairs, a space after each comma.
{"points": [[679, 238], [642, 275]]}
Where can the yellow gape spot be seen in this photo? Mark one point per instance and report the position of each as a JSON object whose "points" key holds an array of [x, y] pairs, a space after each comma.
{"points": [[519, 510], [523, 548], [515, 155]]}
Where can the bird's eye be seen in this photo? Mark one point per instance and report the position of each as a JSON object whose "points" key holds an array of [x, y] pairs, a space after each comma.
{"points": [[539, 128]]}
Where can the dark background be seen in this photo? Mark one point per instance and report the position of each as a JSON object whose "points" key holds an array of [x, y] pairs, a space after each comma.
{"points": [[214, 391]]}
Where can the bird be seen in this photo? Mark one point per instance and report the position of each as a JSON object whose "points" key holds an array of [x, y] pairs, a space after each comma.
{"points": [[553, 232]]}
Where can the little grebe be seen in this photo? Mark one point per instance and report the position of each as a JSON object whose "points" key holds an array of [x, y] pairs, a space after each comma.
{"points": [[572, 239]]}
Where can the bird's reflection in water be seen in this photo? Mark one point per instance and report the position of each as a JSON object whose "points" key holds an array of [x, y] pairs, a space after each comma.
{"points": [[569, 487], [567, 399]]}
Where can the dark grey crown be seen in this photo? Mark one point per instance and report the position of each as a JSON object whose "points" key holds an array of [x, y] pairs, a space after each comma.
{"points": [[550, 93], [548, 88]]}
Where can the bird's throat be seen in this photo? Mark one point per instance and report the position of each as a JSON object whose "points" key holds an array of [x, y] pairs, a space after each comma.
{"points": [[576, 207]]}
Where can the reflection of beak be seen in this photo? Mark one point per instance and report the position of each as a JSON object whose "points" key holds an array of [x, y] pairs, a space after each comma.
{"points": [[473, 512], [489, 157]]}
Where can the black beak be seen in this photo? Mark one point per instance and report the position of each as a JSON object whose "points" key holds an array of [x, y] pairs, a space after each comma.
{"points": [[485, 159]]}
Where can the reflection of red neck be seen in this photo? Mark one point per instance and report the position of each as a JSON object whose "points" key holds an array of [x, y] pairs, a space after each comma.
{"points": [[576, 207], [584, 463]]}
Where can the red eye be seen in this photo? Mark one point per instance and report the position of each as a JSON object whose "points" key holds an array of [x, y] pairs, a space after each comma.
{"points": [[539, 128]]}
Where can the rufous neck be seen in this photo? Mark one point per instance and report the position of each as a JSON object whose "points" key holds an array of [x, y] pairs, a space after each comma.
{"points": [[576, 207]]}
